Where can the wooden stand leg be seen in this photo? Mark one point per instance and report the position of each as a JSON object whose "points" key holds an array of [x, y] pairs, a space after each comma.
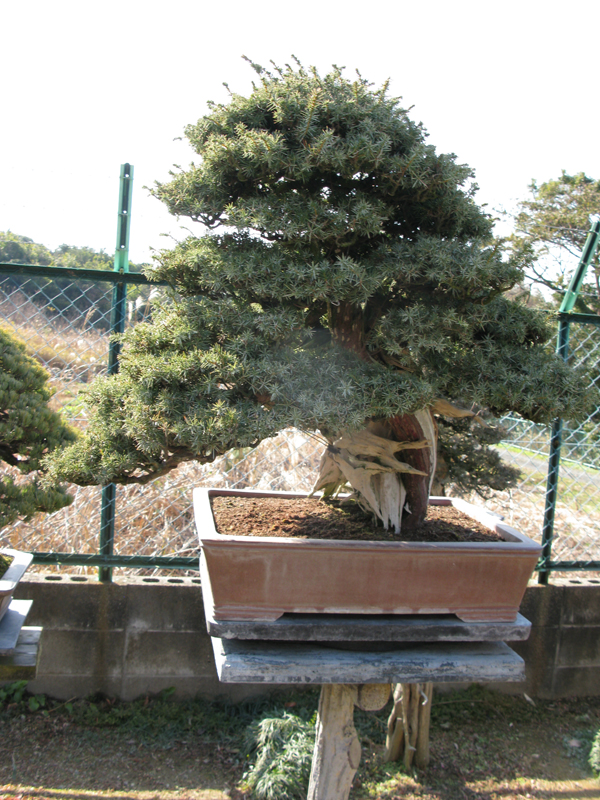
{"points": [[337, 748], [408, 724], [422, 752]]}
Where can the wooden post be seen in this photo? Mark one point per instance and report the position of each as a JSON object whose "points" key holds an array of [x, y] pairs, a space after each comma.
{"points": [[337, 748], [408, 724]]}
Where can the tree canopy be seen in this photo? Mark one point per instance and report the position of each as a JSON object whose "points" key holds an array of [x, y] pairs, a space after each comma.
{"points": [[347, 276], [550, 231]]}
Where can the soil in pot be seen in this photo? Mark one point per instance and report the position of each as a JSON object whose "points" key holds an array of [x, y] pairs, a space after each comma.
{"points": [[312, 518]]}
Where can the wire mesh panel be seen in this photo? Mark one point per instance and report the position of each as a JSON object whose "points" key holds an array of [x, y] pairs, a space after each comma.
{"points": [[527, 446], [65, 324], [157, 519], [577, 517]]}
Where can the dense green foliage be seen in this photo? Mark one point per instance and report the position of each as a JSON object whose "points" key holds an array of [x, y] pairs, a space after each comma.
{"points": [[467, 460], [550, 231], [282, 748], [350, 275], [29, 429]]}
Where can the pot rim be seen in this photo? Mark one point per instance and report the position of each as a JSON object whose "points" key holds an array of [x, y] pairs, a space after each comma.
{"points": [[21, 560], [514, 541]]}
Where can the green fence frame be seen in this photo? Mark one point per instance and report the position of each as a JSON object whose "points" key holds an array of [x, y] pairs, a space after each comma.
{"points": [[105, 560], [565, 317]]}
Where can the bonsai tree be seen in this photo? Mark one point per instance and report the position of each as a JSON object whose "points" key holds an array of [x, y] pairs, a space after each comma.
{"points": [[29, 430], [346, 282]]}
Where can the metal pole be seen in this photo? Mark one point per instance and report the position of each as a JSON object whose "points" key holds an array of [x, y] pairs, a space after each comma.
{"points": [[562, 349], [589, 248], [117, 326]]}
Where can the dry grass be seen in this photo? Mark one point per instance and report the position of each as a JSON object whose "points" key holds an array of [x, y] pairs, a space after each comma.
{"points": [[484, 746]]}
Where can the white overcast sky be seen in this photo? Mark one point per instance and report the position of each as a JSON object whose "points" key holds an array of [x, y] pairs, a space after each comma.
{"points": [[510, 87]]}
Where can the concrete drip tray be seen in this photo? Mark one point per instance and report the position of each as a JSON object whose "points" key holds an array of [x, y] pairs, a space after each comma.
{"points": [[370, 628]]}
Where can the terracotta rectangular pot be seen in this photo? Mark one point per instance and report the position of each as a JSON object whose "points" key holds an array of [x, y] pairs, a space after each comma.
{"points": [[12, 576], [261, 578]]}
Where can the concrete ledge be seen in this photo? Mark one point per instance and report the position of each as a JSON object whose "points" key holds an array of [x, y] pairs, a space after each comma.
{"points": [[142, 635], [124, 639]]}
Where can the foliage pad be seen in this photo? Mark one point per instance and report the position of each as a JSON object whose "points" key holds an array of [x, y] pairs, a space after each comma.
{"points": [[348, 276]]}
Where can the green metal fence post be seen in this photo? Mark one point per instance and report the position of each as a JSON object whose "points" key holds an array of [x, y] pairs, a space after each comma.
{"points": [[117, 326], [562, 349]]}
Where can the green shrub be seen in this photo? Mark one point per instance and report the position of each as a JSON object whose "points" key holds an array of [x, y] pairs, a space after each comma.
{"points": [[29, 430], [595, 754], [284, 747]]}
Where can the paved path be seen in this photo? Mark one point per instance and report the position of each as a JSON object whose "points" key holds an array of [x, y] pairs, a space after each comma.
{"points": [[567, 468]]}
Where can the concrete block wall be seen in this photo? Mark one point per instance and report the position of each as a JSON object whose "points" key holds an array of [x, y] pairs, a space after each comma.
{"points": [[562, 654], [124, 639], [141, 635]]}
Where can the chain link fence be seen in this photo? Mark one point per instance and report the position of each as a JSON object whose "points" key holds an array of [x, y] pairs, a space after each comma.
{"points": [[576, 541], [65, 324]]}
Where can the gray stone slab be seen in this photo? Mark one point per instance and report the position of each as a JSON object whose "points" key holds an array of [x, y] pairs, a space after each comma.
{"points": [[361, 627], [11, 624], [240, 661], [370, 628], [21, 664]]}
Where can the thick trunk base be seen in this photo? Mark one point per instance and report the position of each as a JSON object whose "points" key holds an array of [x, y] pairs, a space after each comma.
{"points": [[390, 465]]}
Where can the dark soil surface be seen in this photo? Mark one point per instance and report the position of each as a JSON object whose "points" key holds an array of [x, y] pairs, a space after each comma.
{"points": [[312, 518]]}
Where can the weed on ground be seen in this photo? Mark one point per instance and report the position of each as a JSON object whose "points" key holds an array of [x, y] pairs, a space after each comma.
{"points": [[484, 746]]}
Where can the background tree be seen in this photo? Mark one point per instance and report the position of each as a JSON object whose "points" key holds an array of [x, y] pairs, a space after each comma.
{"points": [[550, 231], [348, 284], [79, 301], [28, 431], [21, 249]]}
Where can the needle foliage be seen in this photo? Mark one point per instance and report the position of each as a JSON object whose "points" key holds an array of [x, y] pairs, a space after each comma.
{"points": [[345, 273], [29, 429]]}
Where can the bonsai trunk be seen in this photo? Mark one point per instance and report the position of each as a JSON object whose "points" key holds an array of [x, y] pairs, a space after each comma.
{"points": [[389, 464], [415, 427], [396, 490]]}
